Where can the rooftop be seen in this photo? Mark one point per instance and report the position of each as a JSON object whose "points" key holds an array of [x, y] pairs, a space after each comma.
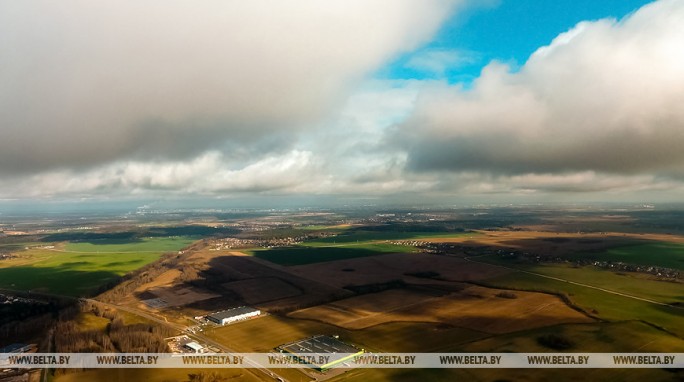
{"points": [[319, 344], [194, 346], [232, 312]]}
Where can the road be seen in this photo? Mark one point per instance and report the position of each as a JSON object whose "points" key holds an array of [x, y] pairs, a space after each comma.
{"points": [[268, 374], [50, 348], [573, 282], [198, 337]]}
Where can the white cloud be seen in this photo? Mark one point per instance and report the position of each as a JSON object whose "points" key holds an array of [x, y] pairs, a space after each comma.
{"points": [[604, 97], [90, 82], [270, 108], [207, 174], [346, 154]]}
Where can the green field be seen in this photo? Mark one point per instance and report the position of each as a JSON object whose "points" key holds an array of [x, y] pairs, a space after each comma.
{"points": [[80, 268], [318, 227], [365, 236], [668, 255], [156, 245], [348, 245], [317, 254], [634, 284], [602, 304]]}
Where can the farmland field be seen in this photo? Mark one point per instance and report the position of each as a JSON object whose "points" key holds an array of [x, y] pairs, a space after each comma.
{"points": [[388, 267], [155, 245], [635, 284], [78, 269], [301, 255], [630, 336], [413, 337], [366, 236], [669, 255], [264, 334], [349, 245], [475, 308], [262, 289], [602, 304]]}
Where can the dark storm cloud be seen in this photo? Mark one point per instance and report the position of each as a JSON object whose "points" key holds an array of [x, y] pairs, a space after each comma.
{"points": [[86, 83], [620, 152]]}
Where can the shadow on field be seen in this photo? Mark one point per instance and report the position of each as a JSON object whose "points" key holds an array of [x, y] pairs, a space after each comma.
{"points": [[59, 280], [95, 237], [310, 255], [241, 280], [128, 237]]}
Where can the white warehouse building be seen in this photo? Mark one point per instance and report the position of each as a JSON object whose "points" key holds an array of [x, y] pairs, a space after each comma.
{"points": [[194, 347], [231, 315]]}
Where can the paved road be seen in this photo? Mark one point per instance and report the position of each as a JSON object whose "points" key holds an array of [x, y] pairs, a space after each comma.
{"points": [[198, 337], [267, 374]]}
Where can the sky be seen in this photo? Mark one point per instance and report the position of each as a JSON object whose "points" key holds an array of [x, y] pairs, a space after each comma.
{"points": [[402, 100]]}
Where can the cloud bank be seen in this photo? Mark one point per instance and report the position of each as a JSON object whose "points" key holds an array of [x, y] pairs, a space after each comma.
{"points": [[604, 97], [86, 83], [168, 98]]}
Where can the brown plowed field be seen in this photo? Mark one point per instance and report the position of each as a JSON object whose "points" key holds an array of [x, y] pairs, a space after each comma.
{"points": [[474, 307], [383, 268]]}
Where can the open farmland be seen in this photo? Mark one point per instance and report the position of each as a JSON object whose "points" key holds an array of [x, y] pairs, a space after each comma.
{"points": [[476, 308], [151, 245], [78, 269], [240, 279], [388, 267], [359, 236], [400, 291], [179, 296], [663, 254], [630, 336], [640, 285], [596, 337], [414, 337], [263, 289], [349, 245], [602, 304], [644, 247], [308, 255], [266, 333]]}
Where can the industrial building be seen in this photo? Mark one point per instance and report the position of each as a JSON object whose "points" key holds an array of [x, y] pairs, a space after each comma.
{"points": [[321, 344], [231, 315], [194, 347]]}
